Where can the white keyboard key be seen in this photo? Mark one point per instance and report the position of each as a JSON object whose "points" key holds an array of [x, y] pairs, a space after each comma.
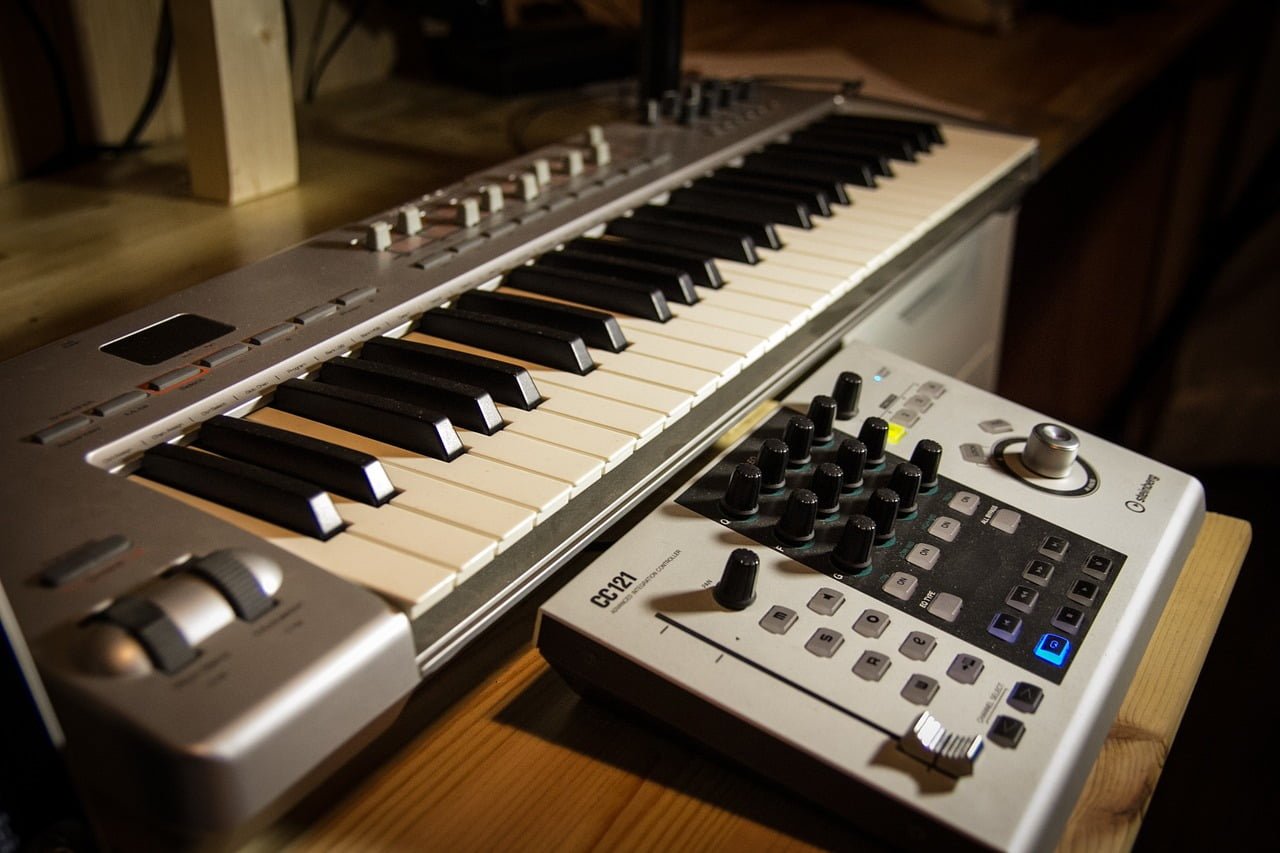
{"points": [[746, 346], [607, 445], [544, 495], [680, 377], [410, 583], [519, 451], [640, 424], [417, 534], [726, 365]]}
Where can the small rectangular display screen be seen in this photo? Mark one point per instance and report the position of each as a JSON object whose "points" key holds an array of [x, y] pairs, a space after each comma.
{"points": [[166, 339]]}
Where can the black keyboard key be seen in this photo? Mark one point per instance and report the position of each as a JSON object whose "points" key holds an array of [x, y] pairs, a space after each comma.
{"points": [[814, 199], [598, 329], [465, 405], [875, 161], [402, 424], [701, 267], [598, 291], [717, 242], [858, 174], [516, 338], [882, 145], [743, 205], [507, 383], [760, 233], [269, 495], [924, 134], [675, 284], [781, 172], [340, 470]]}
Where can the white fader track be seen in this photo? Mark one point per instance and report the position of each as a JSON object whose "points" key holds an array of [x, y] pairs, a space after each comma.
{"points": [[947, 637]]}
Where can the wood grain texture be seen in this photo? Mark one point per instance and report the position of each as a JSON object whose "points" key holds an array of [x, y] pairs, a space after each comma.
{"points": [[8, 143], [521, 763], [237, 98]]}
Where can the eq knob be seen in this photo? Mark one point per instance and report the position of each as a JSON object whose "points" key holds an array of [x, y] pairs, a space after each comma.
{"points": [[848, 389], [737, 587], [822, 411], [828, 482], [795, 528], [798, 437], [742, 497], [852, 553], [874, 434], [927, 456], [1051, 450], [883, 510], [905, 482], [851, 456], [772, 461]]}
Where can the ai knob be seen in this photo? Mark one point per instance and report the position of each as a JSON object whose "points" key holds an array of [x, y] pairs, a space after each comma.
{"points": [[737, 587], [1051, 451]]}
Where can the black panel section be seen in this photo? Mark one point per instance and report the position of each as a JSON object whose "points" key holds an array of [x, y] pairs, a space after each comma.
{"points": [[982, 565], [165, 340]]}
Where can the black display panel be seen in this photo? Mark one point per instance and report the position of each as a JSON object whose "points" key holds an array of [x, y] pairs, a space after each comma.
{"points": [[166, 339]]}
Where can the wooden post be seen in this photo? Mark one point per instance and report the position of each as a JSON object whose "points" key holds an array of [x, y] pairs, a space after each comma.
{"points": [[236, 97]]}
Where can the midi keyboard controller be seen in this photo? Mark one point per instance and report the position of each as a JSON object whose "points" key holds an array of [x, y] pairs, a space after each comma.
{"points": [[900, 595]]}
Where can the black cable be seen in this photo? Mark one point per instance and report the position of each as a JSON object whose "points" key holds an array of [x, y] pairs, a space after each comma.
{"points": [[70, 141], [317, 36], [288, 30], [159, 79], [357, 11]]}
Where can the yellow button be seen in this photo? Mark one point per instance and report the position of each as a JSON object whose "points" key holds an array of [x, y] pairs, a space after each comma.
{"points": [[896, 432]]}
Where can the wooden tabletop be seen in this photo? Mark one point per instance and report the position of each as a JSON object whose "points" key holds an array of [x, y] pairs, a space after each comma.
{"points": [[514, 760]]}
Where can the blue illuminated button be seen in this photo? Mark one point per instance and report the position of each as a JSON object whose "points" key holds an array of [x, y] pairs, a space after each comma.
{"points": [[1053, 649]]}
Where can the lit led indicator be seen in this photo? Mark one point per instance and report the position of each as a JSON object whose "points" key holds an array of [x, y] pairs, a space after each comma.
{"points": [[877, 378], [1053, 649], [896, 432]]}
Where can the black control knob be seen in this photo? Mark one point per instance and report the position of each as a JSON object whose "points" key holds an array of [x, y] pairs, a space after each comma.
{"points": [[737, 587], [795, 528], [742, 497], [772, 462], [848, 389], [883, 509], [927, 456], [906, 483], [799, 439], [828, 482], [852, 553], [822, 411], [874, 434], [851, 456]]}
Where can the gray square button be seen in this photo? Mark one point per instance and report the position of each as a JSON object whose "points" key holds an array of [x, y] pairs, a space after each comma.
{"points": [[964, 502], [946, 606], [1006, 520], [826, 602], [871, 623], [900, 585], [778, 620], [825, 642], [946, 529], [872, 666], [920, 689], [923, 556], [965, 669], [918, 645]]}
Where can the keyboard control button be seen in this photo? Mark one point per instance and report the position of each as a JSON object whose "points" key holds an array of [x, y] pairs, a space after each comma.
{"points": [[871, 623], [920, 689], [965, 669], [315, 314], [1068, 619], [778, 620], [1098, 566], [933, 389], [946, 606], [1006, 731], [224, 355], [173, 378], [872, 666], [82, 560], [1038, 572], [62, 429], [1025, 697], [1005, 626], [119, 403], [1006, 520], [826, 602], [1022, 598], [964, 502], [923, 556], [1053, 649], [275, 333], [918, 645], [824, 643], [1083, 592], [945, 529], [1054, 547], [900, 585]]}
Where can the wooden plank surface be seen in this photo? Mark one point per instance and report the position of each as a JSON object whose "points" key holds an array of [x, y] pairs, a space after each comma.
{"points": [[237, 98], [519, 762]]}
